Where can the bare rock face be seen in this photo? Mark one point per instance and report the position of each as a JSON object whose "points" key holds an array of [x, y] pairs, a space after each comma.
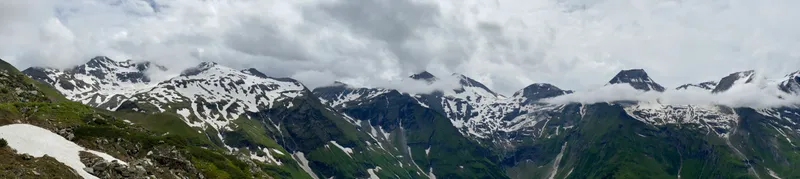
{"points": [[638, 79]]}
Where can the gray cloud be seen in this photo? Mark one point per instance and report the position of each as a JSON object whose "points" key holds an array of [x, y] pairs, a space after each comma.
{"points": [[507, 44]]}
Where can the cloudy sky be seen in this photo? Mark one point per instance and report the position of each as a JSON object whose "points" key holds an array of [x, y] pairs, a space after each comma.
{"points": [[506, 44]]}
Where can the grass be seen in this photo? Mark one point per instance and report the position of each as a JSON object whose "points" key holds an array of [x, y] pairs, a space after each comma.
{"points": [[13, 165], [168, 124]]}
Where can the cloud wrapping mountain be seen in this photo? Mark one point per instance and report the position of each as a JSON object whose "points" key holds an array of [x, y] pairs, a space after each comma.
{"points": [[752, 95]]}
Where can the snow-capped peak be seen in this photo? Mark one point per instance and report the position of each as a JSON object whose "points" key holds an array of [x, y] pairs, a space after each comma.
{"points": [[101, 80], [537, 91], [791, 84], [217, 94], [199, 68], [733, 79], [469, 85], [428, 77], [638, 79]]}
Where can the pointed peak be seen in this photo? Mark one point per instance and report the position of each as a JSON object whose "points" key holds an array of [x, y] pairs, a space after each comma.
{"points": [[424, 75], [469, 82], [100, 59], [733, 79], [538, 91], [638, 79]]}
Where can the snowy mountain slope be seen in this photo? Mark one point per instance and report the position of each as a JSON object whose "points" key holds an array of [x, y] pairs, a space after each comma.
{"points": [[529, 135], [791, 84], [41, 121], [340, 94], [734, 79], [101, 82], [709, 85], [215, 95], [721, 119], [715, 119], [274, 121], [474, 109], [343, 131], [207, 94]]}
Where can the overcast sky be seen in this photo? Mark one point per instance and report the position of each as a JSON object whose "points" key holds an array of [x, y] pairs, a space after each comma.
{"points": [[506, 44]]}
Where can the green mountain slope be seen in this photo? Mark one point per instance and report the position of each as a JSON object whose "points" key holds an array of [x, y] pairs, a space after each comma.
{"points": [[159, 155]]}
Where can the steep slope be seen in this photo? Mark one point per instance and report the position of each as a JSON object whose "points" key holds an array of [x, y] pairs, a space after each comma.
{"points": [[38, 108], [734, 79], [625, 140], [653, 140], [475, 110], [791, 84], [416, 132], [230, 123], [276, 122]]}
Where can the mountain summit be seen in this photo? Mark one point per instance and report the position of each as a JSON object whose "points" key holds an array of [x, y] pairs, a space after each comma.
{"points": [[638, 79], [539, 91], [424, 76], [733, 79]]}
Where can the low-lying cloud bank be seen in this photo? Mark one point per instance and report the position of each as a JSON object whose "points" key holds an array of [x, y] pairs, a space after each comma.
{"points": [[751, 95], [410, 86]]}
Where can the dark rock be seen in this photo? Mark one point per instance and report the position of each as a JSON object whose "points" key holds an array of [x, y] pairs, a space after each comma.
{"points": [[728, 81], [538, 91], [27, 157], [638, 79]]}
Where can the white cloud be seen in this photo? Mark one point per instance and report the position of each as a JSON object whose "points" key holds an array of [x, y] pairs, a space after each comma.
{"points": [[753, 95], [507, 44]]}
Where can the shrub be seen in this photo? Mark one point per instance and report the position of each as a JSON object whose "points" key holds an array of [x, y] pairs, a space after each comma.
{"points": [[3, 143]]}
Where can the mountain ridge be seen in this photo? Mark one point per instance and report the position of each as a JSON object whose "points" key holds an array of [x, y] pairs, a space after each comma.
{"points": [[345, 131]]}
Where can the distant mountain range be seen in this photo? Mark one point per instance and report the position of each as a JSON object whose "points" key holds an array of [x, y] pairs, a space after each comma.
{"points": [[343, 131]]}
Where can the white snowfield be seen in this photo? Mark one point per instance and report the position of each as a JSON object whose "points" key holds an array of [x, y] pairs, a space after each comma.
{"points": [[37, 141]]}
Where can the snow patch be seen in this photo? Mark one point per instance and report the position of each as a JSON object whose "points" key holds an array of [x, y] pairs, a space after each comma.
{"points": [[428, 151], [301, 159], [348, 151], [773, 174], [267, 158], [372, 173], [37, 141]]}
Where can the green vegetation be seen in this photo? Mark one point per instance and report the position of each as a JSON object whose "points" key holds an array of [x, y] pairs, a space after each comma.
{"points": [[3, 143], [419, 128], [607, 143], [168, 124], [15, 165]]}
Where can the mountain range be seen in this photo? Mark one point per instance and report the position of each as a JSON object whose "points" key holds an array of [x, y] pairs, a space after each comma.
{"points": [[279, 128]]}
